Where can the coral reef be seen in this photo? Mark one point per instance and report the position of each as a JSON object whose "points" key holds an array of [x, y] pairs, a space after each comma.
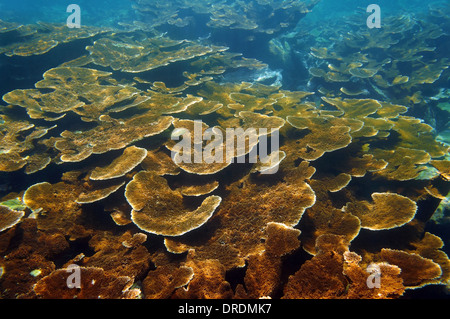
{"points": [[106, 188]]}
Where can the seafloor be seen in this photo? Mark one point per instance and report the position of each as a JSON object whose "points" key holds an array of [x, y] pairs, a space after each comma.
{"points": [[93, 206]]}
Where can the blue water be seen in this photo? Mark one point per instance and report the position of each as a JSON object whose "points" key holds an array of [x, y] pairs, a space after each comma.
{"points": [[109, 13], [94, 13]]}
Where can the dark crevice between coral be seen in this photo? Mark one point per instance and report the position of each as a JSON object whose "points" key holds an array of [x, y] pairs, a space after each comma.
{"points": [[235, 276], [375, 240], [76, 247], [291, 263], [427, 292]]}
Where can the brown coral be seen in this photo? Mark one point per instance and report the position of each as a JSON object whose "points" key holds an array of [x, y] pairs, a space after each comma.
{"points": [[94, 284], [123, 255], [199, 190], [31, 260], [323, 218], [77, 146], [324, 135], [262, 278], [244, 214], [130, 158], [162, 282], [416, 270], [345, 278], [58, 201], [311, 283], [208, 281], [143, 55], [38, 39], [157, 209], [389, 286], [283, 224], [388, 210], [443, 167], [18, 147], [9, 217]]}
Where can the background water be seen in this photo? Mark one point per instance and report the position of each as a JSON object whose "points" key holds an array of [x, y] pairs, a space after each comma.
{"points": [[109, 12], [95, 13]]}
